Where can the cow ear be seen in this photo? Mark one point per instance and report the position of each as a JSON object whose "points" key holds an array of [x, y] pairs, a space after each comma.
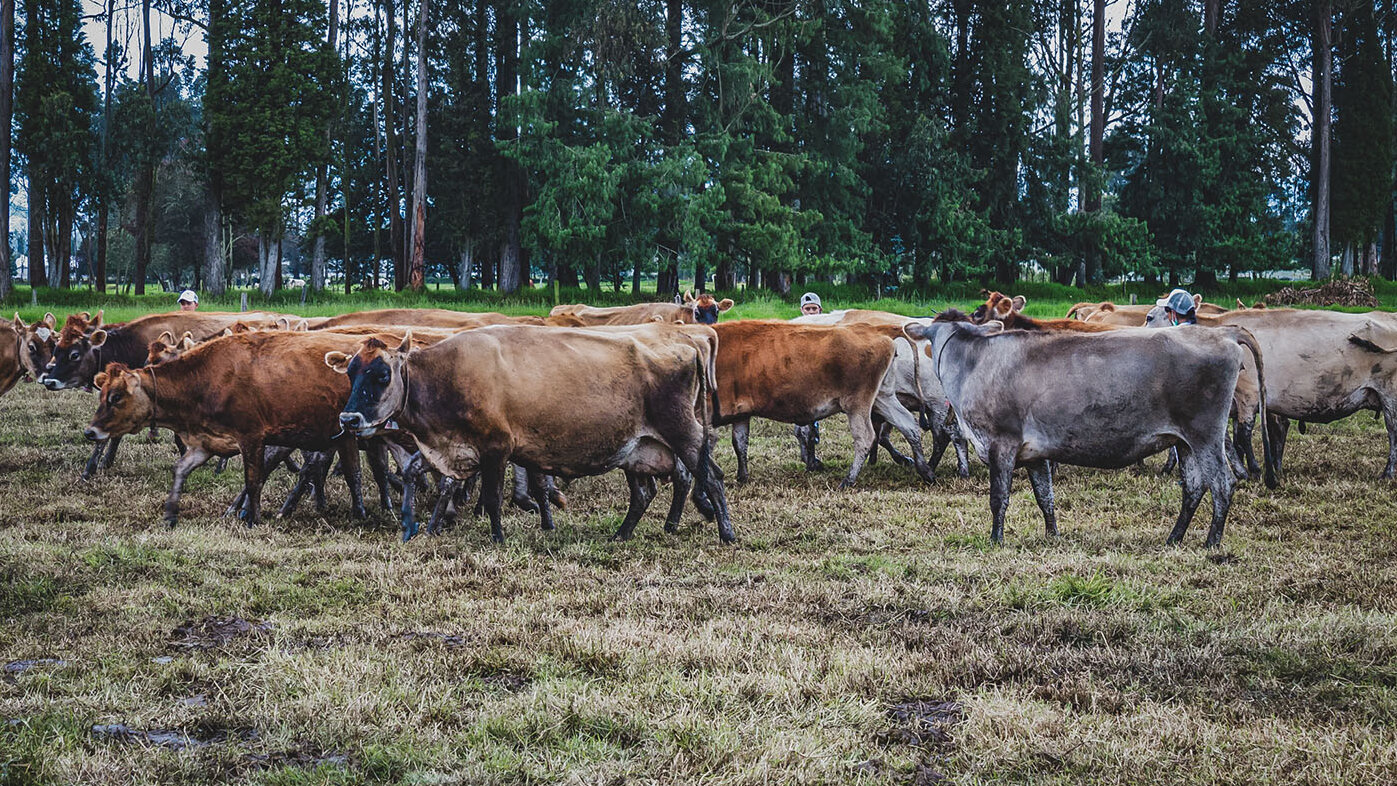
{"points": [[993, 327], [915, 331], [1003, 307], [406, 345], [1108, 306], [187, 340], [100, 381], [19, 323], [688, 297], [50, 320], [338, 361], [97, 320], [282, 323], [302, 326], [86, 315], [1197, 301], [99, 337], [226, 332], [725, 304], [167, 338], [1019, 302]]}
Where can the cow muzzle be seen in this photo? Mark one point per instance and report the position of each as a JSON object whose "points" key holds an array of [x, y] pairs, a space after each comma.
{"points": [[51, 383], [94, 434], [353, 421]]}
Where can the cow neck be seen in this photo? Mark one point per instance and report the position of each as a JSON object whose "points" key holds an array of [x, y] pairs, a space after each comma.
{"points": [[402, 409], [154, 393]]}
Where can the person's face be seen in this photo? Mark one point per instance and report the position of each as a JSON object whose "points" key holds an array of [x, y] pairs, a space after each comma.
{"points": [[810, 308], [188, 305], [1171, 315]]}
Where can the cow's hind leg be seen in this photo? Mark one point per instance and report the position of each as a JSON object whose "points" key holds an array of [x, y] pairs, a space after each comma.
{"points": [[861, 426], [899, 458], [254, 475], [740, 431], [448, 494], [1279, 427], [1040, 474], [1001, 480], [900, 418], [1221, 482], [1192, 472], [313, 470], [638, 503], [539, 484], [1242, 444], [808, 437], [411, 474], [520, 497], [683, 482], [1389, 413], [192, 458], [492, 494]]}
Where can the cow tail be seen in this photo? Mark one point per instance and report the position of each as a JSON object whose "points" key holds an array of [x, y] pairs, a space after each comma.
{"points": [[707, 398], [923, 419], [1246, 339]]}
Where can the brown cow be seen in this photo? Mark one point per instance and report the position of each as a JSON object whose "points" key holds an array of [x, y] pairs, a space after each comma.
{"points": [[799, 374], [556, 400], [425, 317], [703, 310], [11, 357], [235, 395], [36, 344]]}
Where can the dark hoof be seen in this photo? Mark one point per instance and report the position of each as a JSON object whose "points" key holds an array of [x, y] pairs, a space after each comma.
{"points": [[409, 530], [810, 466], [620, 536], [170, 521], [846, 484], [358, 513]]}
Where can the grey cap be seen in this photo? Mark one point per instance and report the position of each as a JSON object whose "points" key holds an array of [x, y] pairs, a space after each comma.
{"points": [[189, 295], [1180, 302], [808, 298]]}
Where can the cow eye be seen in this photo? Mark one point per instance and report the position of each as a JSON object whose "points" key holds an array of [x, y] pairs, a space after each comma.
{"points": [[114, 399], [73, 355]]}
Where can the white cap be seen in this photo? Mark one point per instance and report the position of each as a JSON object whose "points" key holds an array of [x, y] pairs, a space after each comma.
{"points": [[190, 295], [809, 298]]}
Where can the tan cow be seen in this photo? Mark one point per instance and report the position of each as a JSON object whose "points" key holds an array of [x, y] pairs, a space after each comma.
{"points": [[425, 317], [702, 310], [36, 343], [800, 374]]}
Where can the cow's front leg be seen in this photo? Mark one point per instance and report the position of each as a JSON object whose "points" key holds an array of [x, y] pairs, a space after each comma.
{"points": [[492, 494], [520, 496], [861, 426], [90, 468], [108, 459], [411, 472], [683, 482], [378, 467], [448, 494], [1001, 461], [1040, 474], [538, 489], [638, 503], [740, 431], [348, 449], [1389, 413], [192, 458], [254, 475]]}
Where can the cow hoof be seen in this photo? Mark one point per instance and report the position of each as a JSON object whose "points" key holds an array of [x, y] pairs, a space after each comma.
{"points": [[358, 513], [170, 522], [409, 530], [811, 466], [846, 484], [618, 537]]}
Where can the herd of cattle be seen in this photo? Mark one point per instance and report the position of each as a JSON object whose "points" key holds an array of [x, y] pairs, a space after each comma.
{"points": [[641, 388]]}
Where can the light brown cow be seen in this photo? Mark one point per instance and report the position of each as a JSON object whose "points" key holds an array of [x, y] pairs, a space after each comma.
{"points": [[1131, 315], [556, 400], [800, 374], [703, 310], [11, 357], [36, 343]]}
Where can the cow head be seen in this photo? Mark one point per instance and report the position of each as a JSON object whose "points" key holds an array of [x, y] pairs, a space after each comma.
{"points": [[166, 348], [76, 355], [36, 344], [123, 405], [944, 327], [998, 307], [706, 309], [378, 390]]}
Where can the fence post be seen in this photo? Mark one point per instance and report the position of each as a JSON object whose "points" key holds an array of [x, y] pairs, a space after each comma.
{"points": [[244, 308]]}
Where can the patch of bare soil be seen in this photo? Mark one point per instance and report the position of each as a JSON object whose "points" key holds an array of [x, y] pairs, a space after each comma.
{"points": [[212, 632]]}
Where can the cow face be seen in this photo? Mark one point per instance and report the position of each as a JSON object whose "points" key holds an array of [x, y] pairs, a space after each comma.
{"points": [[165, 348], [123, 405], [377, 390], [36, 344], [75, 358], [706, 309], [998, 306]]}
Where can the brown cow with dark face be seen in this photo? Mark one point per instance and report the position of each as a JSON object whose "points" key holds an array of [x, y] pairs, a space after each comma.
{"points": [[235, 395], [799, 374]]}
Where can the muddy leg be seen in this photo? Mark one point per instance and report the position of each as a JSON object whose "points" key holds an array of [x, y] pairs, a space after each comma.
{"points": [[1389, 413], [1242, 443], [411, 474], [254, 475], [538, 489], [899, 417], [1040, 474], [492, 494], [1221, 483], [1279, 427], [107, 460], [639, 502], [521, 498], [90, 468], [315, 463], [185, 465], [808, 437], [739, 446], [683, 483], [1001, 479], [348, 449], [378, 467], [1193, 483], [448, 493]]}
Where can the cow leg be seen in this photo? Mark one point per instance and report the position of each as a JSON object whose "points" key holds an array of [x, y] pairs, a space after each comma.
{"points": [[521, 498], [1221, 482], [808, 437], [448, 494], [179, 445], [110, 457], [1192, 472], [1242, 444], [861, 426], [683, 482], [254, 475], [313, 470], [1279, 427], [194, 457], [638, 503], [90, 468], [1389, 413], [1040, 474], [899, 458], [1001, 479], [348, 449], [411, 474], [378, 466], [902, 419], [492, 494], [739, 445], [538, 489]]}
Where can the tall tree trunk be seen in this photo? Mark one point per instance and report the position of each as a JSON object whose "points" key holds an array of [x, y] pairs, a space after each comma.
{"points": [[213, 248], [672, 127], [1323, 83], [506, 85], [417, 276], [322, 177], [7, 83], [145, 178], [104, 208], [38, 274], [390, 150], [269, 263], [463, 274], [1097, 135]]}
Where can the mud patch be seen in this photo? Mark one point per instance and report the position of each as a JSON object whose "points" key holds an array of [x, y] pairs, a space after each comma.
{"points": [[174, 739], [213, 632], [923, 723]]}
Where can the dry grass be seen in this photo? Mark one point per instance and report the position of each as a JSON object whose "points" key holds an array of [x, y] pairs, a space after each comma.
{"points": [[871, 636]]}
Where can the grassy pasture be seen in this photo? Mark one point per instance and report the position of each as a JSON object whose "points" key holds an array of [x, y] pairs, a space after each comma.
{"points": [[870, 636]]}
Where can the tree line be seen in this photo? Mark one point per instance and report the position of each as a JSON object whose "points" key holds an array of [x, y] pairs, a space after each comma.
{"points": [[378, 143]]}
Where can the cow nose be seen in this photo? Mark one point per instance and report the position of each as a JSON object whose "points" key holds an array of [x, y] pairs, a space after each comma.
{"points": [[351, 419], [90, 433], [50, 382]]}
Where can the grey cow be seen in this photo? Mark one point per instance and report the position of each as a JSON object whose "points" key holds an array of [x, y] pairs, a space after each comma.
{"points": [[1026, 399]]}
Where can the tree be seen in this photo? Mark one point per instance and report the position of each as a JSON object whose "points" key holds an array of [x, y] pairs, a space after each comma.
{"points": [[1320, 135], [1362, 146], [7, 80]]}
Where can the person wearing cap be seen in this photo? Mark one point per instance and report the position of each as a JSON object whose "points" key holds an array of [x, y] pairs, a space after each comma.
{"points": [[1180, 308], [809, 436], [810, 304], [189, 300]]}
